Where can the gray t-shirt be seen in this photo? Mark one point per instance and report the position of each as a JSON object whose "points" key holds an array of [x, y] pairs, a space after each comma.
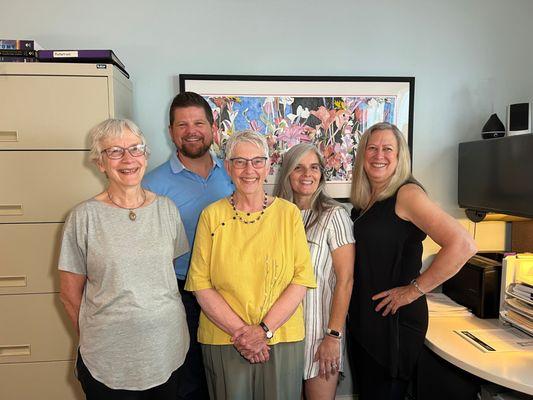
{"points": [[133, 329]]}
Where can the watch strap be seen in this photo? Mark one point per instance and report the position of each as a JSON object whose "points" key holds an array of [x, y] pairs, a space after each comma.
{"points": [[267, 330]]}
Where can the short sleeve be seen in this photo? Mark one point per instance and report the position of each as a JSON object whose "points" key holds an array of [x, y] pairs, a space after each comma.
{"points": [[199, 275], [181, 243], [73, 252], [340, 229], [303, 268]]}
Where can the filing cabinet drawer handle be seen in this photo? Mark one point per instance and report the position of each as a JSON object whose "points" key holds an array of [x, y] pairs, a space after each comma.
{"points": [[11, 209], [13, 281], [9, 136], [15, 350]]}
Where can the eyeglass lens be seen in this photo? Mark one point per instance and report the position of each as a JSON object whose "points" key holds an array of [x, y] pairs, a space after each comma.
{"points": [[117, 152], [240, 162]]}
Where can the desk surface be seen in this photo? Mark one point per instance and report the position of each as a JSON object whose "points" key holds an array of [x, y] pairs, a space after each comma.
{"points": [[510, 369]]}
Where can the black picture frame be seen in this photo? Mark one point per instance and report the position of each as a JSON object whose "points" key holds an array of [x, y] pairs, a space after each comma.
{"points": [[330, 111]]}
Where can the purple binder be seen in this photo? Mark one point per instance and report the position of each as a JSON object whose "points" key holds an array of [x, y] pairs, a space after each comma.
{"points": [[81, 56]]}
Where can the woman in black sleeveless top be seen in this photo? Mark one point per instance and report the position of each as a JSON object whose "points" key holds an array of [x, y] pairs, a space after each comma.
{"points": [[392, 215]]}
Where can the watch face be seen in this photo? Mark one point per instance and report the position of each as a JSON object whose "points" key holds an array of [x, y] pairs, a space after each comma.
{"points": [[269, 335], [334, 333]]}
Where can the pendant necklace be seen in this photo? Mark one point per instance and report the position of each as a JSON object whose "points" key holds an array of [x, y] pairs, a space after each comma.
{"points": [[132, 214], [237, 216]]}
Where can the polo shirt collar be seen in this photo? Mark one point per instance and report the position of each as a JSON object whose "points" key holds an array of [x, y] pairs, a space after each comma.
{"points": [[177, 166]]}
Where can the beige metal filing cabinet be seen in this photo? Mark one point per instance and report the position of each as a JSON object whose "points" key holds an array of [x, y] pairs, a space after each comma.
{"points": [[46, 111]]}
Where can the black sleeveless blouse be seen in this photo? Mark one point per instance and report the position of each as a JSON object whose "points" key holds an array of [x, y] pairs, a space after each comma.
{"points": [[388, 254]]}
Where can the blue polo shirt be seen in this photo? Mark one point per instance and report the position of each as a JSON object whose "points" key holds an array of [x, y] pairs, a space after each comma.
{"points": [[191, 193]]}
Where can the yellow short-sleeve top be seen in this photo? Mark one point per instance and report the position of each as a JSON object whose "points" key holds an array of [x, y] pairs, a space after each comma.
{"points": [[250, 265]]}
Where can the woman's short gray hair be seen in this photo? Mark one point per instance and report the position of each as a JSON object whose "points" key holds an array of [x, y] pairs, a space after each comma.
{"points": [[110, 128], [246, 137]]}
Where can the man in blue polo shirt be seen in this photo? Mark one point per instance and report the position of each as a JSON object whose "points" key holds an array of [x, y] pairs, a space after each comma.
{"points": [[193, 178]]}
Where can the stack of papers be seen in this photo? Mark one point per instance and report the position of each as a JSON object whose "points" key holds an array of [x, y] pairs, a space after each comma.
{"points": [[518, 309], [522, 291], [441, 305]]}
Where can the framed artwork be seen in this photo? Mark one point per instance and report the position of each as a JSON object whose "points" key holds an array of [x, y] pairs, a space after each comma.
{"points": [[330, 112]]}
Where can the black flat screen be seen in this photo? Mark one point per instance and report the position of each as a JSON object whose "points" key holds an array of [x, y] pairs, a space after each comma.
{"points": [[496, 175]]}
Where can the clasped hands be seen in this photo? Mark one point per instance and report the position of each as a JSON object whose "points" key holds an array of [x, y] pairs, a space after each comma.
{"points": [[250, 341]]}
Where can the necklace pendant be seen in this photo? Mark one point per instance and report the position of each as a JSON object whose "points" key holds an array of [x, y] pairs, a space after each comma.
{"points": [[132, 214]]}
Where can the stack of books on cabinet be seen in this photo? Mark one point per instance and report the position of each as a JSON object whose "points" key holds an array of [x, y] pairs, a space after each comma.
{"points": [[14, 50], [45, 114], [516, 306], [82, 56]]}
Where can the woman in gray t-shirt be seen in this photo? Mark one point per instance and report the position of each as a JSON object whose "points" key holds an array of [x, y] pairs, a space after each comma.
{"points": [[117, 278]]}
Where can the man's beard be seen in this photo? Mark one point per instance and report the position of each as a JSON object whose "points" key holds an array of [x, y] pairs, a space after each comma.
{"points": [[194, 151]]}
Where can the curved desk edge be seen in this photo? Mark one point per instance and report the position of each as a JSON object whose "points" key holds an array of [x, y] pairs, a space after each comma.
{"points": [[508, 369]]}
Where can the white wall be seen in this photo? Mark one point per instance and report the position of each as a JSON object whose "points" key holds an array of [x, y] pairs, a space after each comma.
{"points": [[470, 58]]}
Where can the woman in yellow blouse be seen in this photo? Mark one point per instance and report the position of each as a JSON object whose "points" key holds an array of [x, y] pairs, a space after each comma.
{"points": [[250, 270]]}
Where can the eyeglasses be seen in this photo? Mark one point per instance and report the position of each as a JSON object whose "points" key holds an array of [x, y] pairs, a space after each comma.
{"points": [[117, 152], [241, 163]]}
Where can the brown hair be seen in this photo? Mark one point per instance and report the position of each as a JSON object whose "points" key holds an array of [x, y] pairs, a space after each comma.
{"points": [[190, 99]]}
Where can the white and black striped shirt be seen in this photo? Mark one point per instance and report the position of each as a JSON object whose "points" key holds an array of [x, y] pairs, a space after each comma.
{"points": [[335, 229]]}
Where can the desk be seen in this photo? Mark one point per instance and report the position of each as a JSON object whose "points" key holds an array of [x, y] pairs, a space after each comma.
{"points": [[513, 370]]}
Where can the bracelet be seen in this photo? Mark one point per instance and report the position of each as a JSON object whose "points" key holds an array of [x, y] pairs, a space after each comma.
{"points": [[333, 333], [415, 284]]}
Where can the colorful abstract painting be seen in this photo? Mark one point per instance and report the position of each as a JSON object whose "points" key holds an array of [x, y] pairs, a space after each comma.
{"points": [[334, 123]]}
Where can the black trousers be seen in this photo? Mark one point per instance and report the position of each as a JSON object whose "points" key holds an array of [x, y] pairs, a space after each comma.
{"points": [[372, 379], [193, 385], [96, 390]]}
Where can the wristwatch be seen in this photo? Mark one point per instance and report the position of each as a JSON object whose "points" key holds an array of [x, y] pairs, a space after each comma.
{"points": [[268, 332], [333, 333]]}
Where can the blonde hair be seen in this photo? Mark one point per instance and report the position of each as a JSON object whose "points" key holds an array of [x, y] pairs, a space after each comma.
{"points": [[111, 128], [320, 201], [361, 189]]}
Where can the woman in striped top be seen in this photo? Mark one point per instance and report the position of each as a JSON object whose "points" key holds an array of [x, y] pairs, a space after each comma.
{"points": [[330, 237]]}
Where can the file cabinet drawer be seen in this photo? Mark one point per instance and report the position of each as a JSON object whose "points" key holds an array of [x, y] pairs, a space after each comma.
{"points": [[35, 328], [28, 260], [42, 186], [46, 381], [51, 112]]}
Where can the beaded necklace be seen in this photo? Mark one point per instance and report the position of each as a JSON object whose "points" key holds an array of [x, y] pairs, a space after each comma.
{"points": [[237, 216]]}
